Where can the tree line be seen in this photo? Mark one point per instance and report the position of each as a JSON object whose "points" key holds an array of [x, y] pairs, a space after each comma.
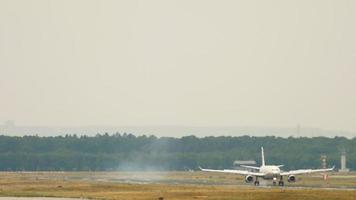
{"points": [[130, 152]]}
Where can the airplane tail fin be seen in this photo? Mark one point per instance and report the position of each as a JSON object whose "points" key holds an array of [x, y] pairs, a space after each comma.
{"points": [[263, 157]]}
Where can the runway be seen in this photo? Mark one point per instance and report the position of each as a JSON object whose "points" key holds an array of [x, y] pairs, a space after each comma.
{"points": [[264, 184]]}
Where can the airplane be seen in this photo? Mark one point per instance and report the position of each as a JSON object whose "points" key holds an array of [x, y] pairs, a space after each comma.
{"points": [[268, 172]]}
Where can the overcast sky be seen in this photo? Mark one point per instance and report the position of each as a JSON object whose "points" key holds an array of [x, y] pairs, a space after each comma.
{"points": [[274, 63]]}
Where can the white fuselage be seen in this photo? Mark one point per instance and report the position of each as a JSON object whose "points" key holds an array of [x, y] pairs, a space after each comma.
{"points": [[270, 171]]}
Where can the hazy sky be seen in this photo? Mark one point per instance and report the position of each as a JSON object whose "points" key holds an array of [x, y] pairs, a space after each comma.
{"points": [[184, 62]]}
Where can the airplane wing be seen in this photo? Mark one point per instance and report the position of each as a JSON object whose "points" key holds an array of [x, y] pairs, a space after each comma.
{"points": [[249, 167], [232, 171], [306, 171]]}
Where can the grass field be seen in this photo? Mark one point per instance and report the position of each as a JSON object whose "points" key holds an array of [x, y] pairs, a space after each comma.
{"points": [[169, 185]]}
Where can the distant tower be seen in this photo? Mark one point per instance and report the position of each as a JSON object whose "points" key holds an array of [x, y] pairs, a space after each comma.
{"points": [[323, 161], [343, 162], [324, 165]]}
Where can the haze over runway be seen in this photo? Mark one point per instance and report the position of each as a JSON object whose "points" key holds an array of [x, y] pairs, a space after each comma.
{"points": [[199, 63]]}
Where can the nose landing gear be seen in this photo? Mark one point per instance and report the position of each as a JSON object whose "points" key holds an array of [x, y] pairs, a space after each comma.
{"points": [[281, 182], [257, 183]]}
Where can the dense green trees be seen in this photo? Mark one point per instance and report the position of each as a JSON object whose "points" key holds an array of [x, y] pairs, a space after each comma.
{"points": [[129, 152]]}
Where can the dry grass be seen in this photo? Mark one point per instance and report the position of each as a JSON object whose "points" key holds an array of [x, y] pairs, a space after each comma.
{"points": [[103, 186]]}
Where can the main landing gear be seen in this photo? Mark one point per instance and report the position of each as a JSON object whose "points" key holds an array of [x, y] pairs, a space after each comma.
{"points": [[280, 182]]}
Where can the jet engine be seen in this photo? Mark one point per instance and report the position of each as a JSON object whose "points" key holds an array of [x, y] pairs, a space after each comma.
{"points": [[291, 178], [248, 179]]}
